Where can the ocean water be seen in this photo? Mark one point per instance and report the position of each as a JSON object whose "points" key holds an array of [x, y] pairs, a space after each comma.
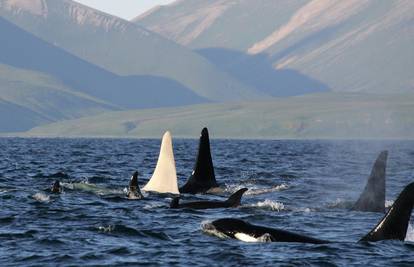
{"points": [[301, 186]]}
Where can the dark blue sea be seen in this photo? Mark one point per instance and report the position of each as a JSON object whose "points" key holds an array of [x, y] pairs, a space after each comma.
{"points": [[301, 186]]}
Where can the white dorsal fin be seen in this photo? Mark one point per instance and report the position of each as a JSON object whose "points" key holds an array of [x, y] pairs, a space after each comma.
{"points": [[164, 178]]}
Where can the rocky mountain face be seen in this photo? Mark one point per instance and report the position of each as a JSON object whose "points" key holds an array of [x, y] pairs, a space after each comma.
{"points": [[352, 46]]}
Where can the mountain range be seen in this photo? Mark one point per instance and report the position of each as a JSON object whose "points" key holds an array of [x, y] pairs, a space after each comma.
{"points": [[63, 63]]}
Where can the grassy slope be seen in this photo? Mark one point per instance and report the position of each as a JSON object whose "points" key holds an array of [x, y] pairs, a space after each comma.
{"points": [[329, 115], [35, 99]]}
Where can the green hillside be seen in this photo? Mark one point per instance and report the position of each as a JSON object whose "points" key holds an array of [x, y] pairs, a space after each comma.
{"points": [[329, 115], [29, 99], [121, 47]]}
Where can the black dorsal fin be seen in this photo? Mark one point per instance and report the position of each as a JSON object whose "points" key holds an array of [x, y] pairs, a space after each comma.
{"points": [[202, 177], [133, 190], [395, 223], [373, 196], [235, 199]]}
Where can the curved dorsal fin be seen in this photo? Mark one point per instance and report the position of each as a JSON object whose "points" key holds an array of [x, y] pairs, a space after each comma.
{"points": [[164, 178], [202, 177], [395, 223], [235, 199], [373, 196]]}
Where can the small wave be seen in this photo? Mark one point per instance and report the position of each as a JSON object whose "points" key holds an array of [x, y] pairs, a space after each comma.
{"points": [[410, 233], [269, 205], [41, 197], [155, 206], [340, 203], [119, 229], [255, 190]]}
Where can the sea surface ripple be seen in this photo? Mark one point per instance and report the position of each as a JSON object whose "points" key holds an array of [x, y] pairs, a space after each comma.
{"points": [[301, 186]]}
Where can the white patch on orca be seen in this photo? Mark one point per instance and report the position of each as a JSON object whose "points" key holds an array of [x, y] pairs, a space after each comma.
{"points": [[41, 197], [250, 239], [164, 178]]}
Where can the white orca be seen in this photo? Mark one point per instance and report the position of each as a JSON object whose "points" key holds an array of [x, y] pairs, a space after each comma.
{"points": [[373, 196], [164, 178]]}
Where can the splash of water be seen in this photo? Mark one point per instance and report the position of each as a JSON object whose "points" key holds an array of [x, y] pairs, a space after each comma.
{"points": [[269, 205], [41, 197], [410, 233]]}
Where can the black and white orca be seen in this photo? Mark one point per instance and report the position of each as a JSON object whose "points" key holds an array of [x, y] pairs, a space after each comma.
{"points": [[56, 188], [232, 202], [133, 190], [392, 226], [373, 196], [202, 178]]}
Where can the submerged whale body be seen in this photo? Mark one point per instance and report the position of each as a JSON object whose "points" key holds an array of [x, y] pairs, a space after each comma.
{"points": [[373, 196], [393, 226], [202, 178], [164, 178], [133, 188], [232, 201]]}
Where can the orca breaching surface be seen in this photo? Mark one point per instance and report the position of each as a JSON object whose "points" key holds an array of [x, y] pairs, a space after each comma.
{"points": [[202, 180]]}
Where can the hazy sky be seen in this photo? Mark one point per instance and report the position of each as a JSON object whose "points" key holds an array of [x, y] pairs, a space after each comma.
{"points": [[126, 9]]}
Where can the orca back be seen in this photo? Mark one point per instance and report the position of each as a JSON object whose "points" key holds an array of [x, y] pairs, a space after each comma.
{"points": [[202, 177], [373, 196]]}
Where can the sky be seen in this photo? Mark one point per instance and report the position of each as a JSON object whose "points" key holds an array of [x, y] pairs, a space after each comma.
{"points": [[126, 9]]}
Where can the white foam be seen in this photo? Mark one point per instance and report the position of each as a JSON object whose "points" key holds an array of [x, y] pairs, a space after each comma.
{"points": [[269, 204], [410, 233], [106, 229], [388, 203], [255, 190], [41, 197]]}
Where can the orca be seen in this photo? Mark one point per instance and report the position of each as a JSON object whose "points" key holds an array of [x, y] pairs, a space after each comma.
{"points": [[133, 189], [244, 231], [395, 222], [164, 178], [202, 178], [373, 197], [231, 202], [392, 226], [56, 188]]}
